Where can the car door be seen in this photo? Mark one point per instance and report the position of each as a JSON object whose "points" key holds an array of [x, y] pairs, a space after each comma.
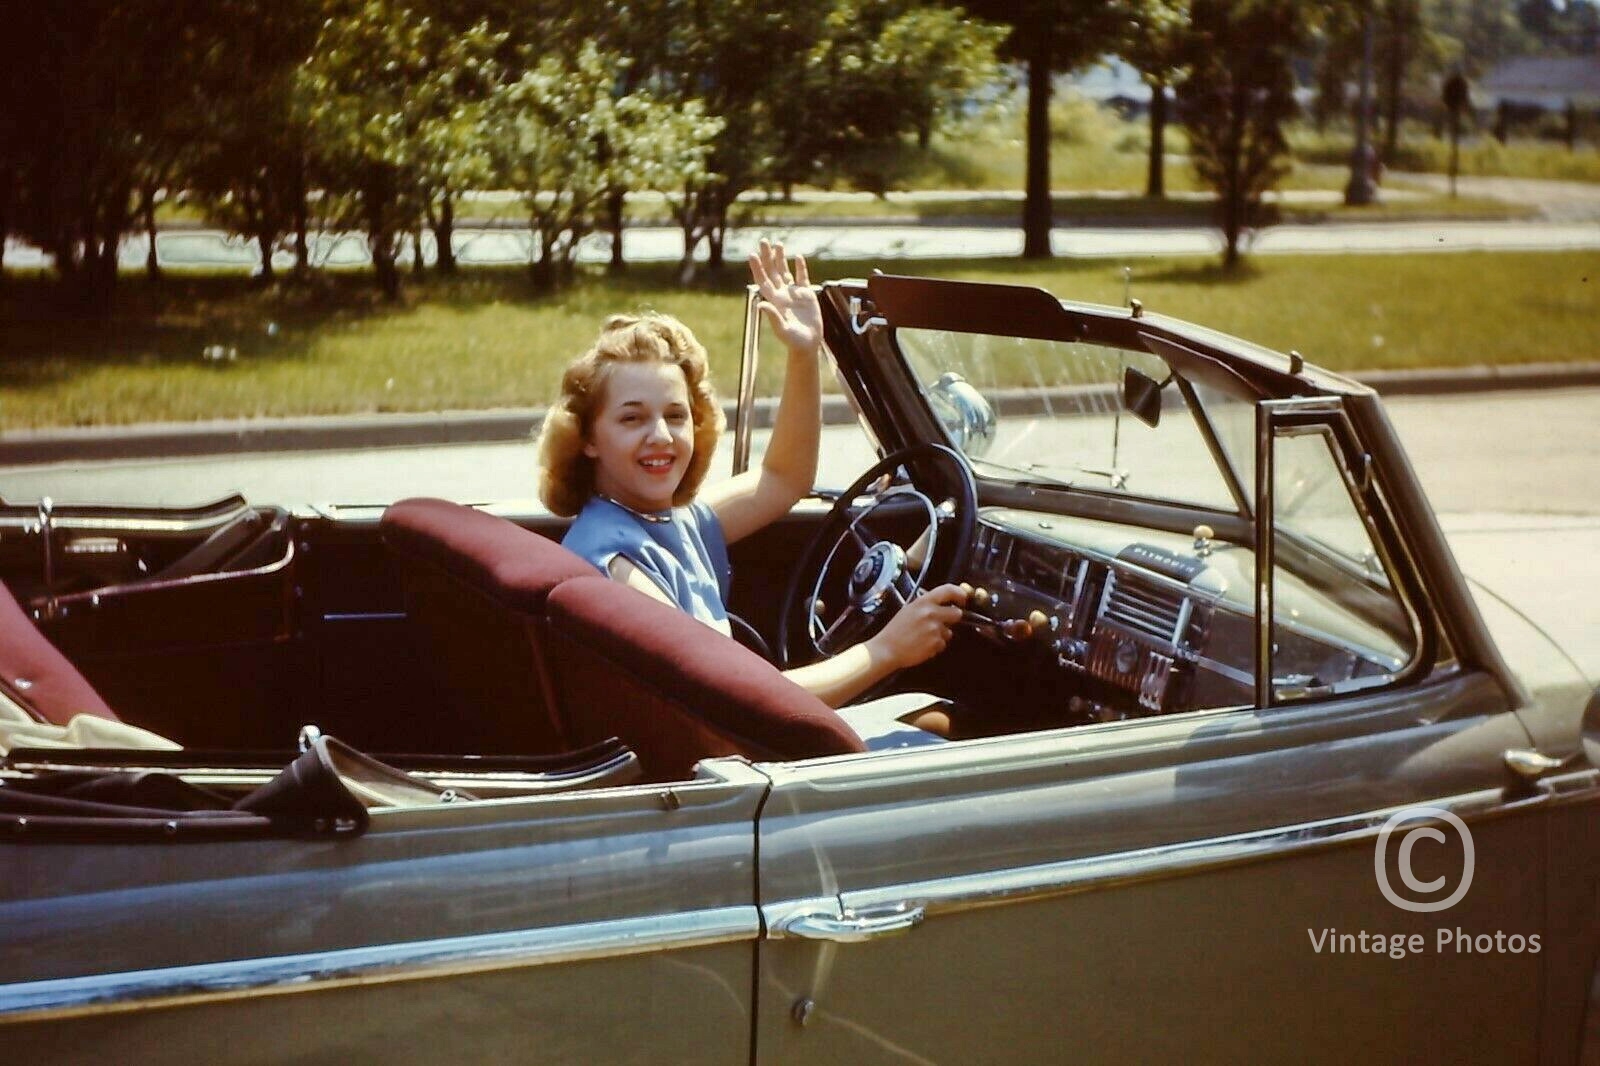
{"points": [[1229, 885], [612, 925]]}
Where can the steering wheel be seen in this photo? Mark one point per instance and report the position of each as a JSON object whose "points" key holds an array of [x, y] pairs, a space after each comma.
{"points": [[883, 574]]}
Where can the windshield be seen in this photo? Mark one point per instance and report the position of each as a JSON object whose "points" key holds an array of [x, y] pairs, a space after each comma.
{"points": [[1054, 411]]}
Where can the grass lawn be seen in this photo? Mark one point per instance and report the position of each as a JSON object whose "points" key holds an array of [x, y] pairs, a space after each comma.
{"points": [[1481, 155], [487, 340]]}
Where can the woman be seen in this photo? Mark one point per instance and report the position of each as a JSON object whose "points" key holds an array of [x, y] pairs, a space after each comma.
{"points": [[627, 446]]}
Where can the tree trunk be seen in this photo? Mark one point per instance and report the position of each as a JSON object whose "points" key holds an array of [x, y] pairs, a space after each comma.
{"points": [[383, 266], [1395, 86], [101, 276], [1037, 210], [689, 223], [381, 242], [1155, 186], [1232, 191], [714, 242], [302, 245], [147, 208], [1455, 150], [5, 218], [615, 204], [416, 252], [444, 233], [542, 269], [717, 231], [266, 241]]}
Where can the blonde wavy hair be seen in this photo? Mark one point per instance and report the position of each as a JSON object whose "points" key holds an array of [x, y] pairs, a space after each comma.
{"points": [[566, 475]]}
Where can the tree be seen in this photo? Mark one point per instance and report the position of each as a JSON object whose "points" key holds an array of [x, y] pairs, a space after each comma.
{"points": [[565, 139], [1482, 32], [1234, 102], [879, 72], [248, 167], [1050, 37], [105, 110], [1155, 46], [397, 102], [1403, 39], [746, 61], [668, 150]]}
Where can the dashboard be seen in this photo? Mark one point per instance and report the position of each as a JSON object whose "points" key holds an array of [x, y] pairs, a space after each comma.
{"points": [[1153, 622]]}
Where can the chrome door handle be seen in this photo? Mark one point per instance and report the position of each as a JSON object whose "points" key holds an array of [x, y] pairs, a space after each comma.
{"points": [[851, 927], [1529, 766]]}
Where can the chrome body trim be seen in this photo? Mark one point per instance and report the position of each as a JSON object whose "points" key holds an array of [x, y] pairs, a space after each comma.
{"points": [[1265, 507], [32, 1001], [1331, 419], [174, 527], [92, 597], [364, 616], [1090, 873]]}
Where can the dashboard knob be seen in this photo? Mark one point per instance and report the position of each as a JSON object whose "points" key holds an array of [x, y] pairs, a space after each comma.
{"points": [[980, 598], [1016, 629]]}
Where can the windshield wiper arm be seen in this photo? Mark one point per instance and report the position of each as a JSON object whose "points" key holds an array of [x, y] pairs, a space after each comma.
{"points": [[1035, 475]]}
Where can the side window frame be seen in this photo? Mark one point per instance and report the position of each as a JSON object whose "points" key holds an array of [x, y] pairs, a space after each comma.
{"points": [[1276, 419]]}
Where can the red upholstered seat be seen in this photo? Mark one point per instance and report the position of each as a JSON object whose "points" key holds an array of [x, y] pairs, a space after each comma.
{"points": [[674, 690], [37, 676], [475, 588]]}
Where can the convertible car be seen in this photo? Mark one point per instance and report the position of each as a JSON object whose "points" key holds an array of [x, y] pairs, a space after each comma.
{"points": [[1237, 769]]}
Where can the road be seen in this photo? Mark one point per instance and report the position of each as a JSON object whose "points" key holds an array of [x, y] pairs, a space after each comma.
{"points": [[215, 250], [1519, 452]]}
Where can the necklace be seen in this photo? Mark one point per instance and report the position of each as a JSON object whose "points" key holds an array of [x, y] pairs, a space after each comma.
{"points": [[644, 516]]}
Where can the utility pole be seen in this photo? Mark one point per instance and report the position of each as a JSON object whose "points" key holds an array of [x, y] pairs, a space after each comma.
{"points": [[1361, 190]]}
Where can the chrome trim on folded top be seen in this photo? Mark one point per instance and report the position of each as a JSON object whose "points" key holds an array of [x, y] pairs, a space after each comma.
{"points": [[949, 895], [174, 527], [32, 1001]]}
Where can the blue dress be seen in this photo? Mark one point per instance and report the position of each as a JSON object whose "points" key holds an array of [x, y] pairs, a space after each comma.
{"points": [[682, 550]]}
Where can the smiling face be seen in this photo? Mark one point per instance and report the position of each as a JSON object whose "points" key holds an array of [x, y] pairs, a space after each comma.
{"points": [[642, 437]]}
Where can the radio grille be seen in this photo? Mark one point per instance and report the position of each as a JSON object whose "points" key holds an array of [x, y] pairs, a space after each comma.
{"points": [[1144, 608]]}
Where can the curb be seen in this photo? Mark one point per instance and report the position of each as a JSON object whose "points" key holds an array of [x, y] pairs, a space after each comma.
{"points": [[172, 440]]}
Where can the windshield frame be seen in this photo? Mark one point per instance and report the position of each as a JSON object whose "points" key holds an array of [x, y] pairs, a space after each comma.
{"points": [[1188, 368]]}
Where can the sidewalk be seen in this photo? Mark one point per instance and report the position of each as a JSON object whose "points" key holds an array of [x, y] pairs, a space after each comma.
{"points": [[356, 432]]}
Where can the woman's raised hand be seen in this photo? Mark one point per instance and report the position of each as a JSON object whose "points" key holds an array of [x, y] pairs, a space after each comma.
{"points": [[787, 299]]}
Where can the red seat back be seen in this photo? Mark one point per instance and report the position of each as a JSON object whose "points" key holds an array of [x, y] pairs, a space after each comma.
{"points": [[674, 690], [475, 588], [37, 676]]}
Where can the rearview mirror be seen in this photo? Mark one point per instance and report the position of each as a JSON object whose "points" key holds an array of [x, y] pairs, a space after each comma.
{"points": [[964, 412], [1141, 396]]}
